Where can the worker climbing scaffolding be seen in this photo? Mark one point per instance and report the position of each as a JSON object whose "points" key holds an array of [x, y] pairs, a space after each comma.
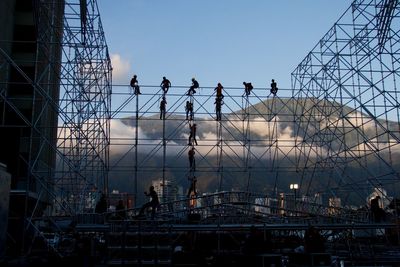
{"points": [[192, 135], [192, 161], [189, 110], [218, 101], [192, 192], [163, 107], [192, 189], [247, 88], [218, 107]]}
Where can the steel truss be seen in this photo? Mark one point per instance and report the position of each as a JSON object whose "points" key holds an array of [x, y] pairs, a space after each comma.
{"points": [[350, 80]]}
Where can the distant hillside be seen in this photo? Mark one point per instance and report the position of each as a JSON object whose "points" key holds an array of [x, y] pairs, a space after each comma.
{"points": [[286, 112], [273, 125]]}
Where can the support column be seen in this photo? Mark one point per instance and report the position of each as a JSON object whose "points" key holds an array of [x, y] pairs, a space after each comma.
{"points": [[136, 148]]}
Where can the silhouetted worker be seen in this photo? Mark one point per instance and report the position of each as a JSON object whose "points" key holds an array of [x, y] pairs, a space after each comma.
{"points": [[192, 162], [153, 203], [189, 110], [101, 206], [313, 241], [192, 88], [192, 190], [218, 89], [192, 135], [376, 211], [165, 85], [247, 88], [163, 106], [120, 210], [135, 85], [274, 88], [218, 106]]}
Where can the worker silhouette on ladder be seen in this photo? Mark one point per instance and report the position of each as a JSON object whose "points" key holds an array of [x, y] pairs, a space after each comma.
{"points": [[274, 88], [165, 85], [192, 135], [192, 190], [163, 106], [189, 110], [247, 88], [218, 106], [192, 161], [192, 193], [135, 85], [192, 88]]}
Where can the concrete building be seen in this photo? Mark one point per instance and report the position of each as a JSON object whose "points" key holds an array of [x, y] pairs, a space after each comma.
{"points": [[166, 191]]}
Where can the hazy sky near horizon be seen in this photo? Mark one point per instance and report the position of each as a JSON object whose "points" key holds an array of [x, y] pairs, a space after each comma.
{"points": [[227, 41]]}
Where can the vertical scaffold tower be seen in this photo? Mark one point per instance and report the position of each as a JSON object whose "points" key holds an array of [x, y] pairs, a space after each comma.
{"points": [[55, 97], [84, 108], [348, 102]]}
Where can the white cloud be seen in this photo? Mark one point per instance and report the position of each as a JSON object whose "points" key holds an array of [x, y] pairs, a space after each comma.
{"points": [[373, 145], [357, 119], [122, 137], [121, 69], [265, 128]]}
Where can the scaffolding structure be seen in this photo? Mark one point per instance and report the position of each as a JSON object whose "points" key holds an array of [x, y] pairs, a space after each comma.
{"points": [[337, 135], [56, 92], [226, 150], [350, 80], [84, 108], [335, 132]]}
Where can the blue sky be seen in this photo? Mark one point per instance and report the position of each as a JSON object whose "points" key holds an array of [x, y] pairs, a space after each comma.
{"points": [[227, 41]]}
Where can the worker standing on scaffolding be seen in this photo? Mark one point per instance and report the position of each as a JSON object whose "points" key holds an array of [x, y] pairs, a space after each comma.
{"points": [[218, 106], [165, 85], [274, 88], [192, 162], [189, 110], [192, 88], [163, 105], [247, 88], [135, 85], [192, 136], [218, 89]]}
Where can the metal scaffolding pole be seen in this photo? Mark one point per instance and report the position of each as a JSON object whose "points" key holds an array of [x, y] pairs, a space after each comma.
{"points": [[136, 148]]}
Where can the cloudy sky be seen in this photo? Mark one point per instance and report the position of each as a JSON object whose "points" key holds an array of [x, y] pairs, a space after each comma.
{"points": [[227, 41]]}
